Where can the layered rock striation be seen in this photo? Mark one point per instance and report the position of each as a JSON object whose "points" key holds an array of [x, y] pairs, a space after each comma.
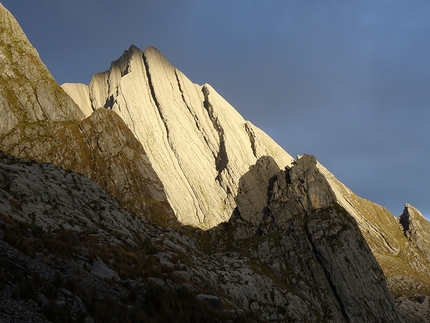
{"points": [[197, 143]]}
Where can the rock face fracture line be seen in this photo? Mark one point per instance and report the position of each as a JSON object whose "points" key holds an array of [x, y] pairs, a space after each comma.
{"points": [[221, 160], [171, 145], [251, 136], [109, 100], [196, 119], [151, 86], [157, 104], [326, 273]]}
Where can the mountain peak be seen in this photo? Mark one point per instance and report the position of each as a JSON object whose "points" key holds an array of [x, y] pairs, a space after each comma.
{"points": [[11, 31], [28, 92], [130, 52], [411, 219], [196, 141], [416, 229], [156, 59]]}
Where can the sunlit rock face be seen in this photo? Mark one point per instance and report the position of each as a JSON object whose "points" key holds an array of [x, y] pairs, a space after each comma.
{"points": [[197, 143], [79, 93], [28, 92]]}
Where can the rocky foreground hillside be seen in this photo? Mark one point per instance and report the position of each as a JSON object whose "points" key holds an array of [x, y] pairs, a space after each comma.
{"points": [[69, 251], [156, 201]]}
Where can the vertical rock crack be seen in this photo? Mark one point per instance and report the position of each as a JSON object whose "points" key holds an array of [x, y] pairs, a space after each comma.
{"points": [[251, 136], [325, 271], [169, 141], [191, 111], [154, 98], [221, 159]]}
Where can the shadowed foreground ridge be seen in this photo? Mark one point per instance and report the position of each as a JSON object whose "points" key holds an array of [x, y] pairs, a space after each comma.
{"points": [[157, 202], [308, 241], [288, 269]]}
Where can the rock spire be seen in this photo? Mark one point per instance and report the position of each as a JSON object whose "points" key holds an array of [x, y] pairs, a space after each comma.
{"points": [[197, 143]]}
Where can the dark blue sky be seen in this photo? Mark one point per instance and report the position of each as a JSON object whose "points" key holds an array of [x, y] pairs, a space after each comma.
{"points": [[346, 81]]}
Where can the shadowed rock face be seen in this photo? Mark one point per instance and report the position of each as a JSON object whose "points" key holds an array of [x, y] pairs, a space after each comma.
{"points": [[400, 245], [310, 267], [28, 92], [254, 189], [311, 242], [51, 198]]}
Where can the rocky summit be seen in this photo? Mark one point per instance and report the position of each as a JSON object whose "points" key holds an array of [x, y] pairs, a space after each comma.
{"points": [[145, 197], [196, 142]]}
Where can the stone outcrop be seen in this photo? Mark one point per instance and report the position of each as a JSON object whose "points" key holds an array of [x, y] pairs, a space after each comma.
{"points": [[70, 251], [416, 229], [28, 92], [294, 268], [254, 188], [197, 143], [313, 244], [52, 198]]}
